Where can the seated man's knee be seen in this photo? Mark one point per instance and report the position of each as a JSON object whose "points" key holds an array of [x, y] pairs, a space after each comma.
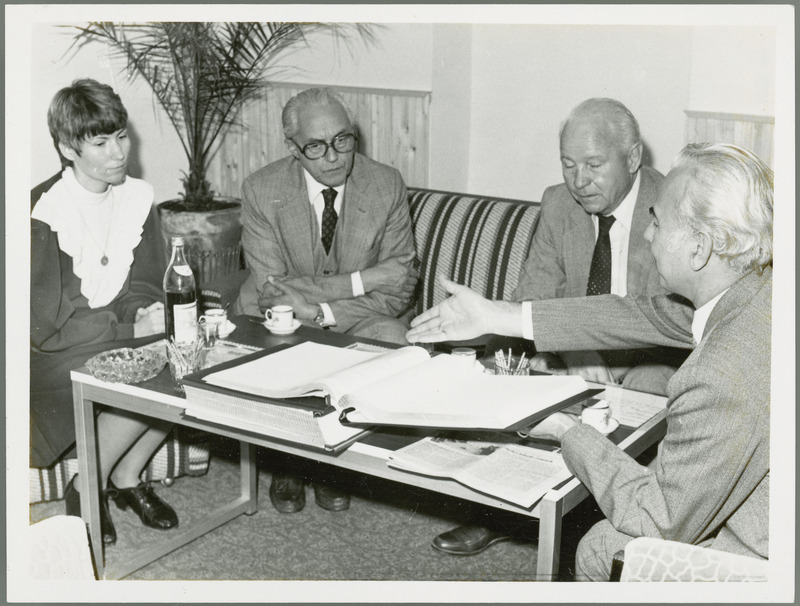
{"points": [[381, 328], [596, 552]]}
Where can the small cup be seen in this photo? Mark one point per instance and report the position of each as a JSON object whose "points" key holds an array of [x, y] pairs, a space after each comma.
{"points": [[467, 355], [280, 316], [212, 323], [597, 414]]}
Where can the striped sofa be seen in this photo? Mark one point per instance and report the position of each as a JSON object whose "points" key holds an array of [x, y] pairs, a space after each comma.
{"points": [[478, 241]]}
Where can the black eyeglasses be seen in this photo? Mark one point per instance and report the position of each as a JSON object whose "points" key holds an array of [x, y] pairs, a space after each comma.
{"points": [[317, 149]]}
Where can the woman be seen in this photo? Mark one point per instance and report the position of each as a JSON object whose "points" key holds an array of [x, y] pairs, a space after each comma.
{"points": [[96, 268]]}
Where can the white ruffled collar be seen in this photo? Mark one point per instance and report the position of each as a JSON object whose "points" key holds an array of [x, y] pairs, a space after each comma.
{"points": [[83, 219]]}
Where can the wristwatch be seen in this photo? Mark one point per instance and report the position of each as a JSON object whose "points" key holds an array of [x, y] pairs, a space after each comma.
{"points": [[319, 319]]}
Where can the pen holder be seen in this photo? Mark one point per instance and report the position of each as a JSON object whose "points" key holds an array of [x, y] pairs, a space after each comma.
{"points": [[507, 363]]}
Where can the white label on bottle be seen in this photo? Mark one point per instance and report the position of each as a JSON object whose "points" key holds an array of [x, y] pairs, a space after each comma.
{"points": [[183, 270], [185, 317]]}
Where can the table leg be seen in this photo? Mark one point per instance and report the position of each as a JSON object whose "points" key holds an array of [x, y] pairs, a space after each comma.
{"points": [[88, 472], [547, 560], [248, 470]]}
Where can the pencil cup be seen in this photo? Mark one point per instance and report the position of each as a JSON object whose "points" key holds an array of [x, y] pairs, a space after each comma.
{"points": [[184, 359], [507, 363]]}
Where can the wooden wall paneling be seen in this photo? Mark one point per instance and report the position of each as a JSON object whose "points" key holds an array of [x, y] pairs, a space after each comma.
{"points": [[755, 133], [393, 128]]}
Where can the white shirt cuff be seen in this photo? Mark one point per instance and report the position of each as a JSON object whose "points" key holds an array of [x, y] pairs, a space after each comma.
{"points": [[527, 320], [326, 311], [358, 285]]}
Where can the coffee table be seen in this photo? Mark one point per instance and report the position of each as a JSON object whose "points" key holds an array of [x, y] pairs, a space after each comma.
{"points": [[157, 399]]}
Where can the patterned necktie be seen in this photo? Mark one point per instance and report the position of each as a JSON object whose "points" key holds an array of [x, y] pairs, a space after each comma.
{"points": [[328, 218], [600, 271]]}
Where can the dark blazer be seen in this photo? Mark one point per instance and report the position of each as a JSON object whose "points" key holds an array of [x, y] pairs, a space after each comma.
{"points": [[281, 237], [709, 483]]}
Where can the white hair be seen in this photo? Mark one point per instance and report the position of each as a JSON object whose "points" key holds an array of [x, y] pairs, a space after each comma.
{"points": [[729, 198], [312, 96]]}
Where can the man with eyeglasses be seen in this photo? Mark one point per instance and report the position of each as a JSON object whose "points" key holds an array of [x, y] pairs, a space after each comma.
{"points": [[327, 231]]}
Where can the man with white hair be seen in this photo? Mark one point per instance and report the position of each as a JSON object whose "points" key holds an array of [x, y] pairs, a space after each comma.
{"points": [[711, 236]]}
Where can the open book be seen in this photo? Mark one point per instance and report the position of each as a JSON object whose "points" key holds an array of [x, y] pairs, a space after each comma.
{"points": [[401, 387], [498, 465]]}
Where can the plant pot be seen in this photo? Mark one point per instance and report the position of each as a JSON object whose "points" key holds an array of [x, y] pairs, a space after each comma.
{"points": [[212, 237]]}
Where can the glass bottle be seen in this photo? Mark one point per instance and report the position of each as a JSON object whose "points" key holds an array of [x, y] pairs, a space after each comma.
{"points": [[180, 294]]}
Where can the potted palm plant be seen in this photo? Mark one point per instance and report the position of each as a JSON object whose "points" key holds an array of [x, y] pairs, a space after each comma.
{"points": [[202, 73]]}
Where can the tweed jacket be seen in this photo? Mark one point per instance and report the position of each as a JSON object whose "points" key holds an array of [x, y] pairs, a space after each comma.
{"points": [[281, 237], [562, 248], [710, 480]]}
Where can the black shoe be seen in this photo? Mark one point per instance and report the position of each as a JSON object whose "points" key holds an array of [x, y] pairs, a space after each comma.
{"points": [[73, 500], [287, 493], [467, 540], [145, 503], [330, 498]]}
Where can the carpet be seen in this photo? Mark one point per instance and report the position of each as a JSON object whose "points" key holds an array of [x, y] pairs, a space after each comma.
{"points": [[385, 535]]}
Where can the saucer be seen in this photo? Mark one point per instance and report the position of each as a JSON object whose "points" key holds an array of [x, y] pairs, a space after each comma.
{"points": [[224, 331], [275, 330]]}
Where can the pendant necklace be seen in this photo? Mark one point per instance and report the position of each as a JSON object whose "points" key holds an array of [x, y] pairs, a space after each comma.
{"points": [[104, 258]]}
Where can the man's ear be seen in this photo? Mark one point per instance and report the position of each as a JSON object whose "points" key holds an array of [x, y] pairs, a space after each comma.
{"points": [[66, 151], [293, 149], [702, 252], [635, 158]]}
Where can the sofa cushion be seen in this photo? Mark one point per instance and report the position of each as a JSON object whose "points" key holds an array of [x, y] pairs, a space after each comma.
{"points": [[475, 240]]}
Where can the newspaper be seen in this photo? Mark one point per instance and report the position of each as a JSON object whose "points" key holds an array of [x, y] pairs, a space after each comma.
{"points": [[503, 468]]}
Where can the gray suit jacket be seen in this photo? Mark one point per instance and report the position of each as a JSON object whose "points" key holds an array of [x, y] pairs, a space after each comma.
{"points": [[281, 237], [710, 481], [562, 248]]}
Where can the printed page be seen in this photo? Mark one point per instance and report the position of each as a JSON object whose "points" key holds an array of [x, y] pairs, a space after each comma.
{"points": [[296, 371], [516, 473], [440, 456], [367, 372], [510, 471]]}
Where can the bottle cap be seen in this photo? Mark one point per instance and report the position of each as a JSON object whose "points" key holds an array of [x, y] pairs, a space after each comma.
{"points": [[177, 240]]}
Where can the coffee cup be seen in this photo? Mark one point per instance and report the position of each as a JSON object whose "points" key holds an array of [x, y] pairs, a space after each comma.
{"points": [[466, 355], [597, 414], [280, 316]]}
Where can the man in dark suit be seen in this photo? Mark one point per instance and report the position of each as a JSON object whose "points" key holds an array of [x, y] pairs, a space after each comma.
{"points": [[711, 237], [604, 181], [328, 232]]}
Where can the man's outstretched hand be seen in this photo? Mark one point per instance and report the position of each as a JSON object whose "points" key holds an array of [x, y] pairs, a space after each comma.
{"points": [[464, 315]]}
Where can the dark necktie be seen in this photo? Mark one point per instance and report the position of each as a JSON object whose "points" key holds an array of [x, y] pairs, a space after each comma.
{"points": [[600, 271], [328, 218]]}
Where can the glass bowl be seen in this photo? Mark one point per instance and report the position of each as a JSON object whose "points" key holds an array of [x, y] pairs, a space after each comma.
{"points": [[126, 365]]}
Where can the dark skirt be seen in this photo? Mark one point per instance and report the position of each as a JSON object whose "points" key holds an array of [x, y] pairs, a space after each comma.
{"points": [[51, 408]]}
